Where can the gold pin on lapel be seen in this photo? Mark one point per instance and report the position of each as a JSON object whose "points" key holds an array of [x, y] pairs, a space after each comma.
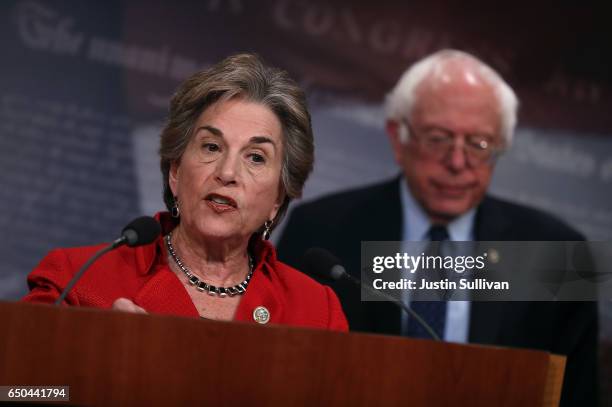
{"points": [[261, 315]]}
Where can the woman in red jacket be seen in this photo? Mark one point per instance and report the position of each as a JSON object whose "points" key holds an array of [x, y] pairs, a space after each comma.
{"points": [[236, 149]]}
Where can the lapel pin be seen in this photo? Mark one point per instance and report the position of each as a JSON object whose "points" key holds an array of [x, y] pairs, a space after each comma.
{"points": [[493, 256], [261, 315]]}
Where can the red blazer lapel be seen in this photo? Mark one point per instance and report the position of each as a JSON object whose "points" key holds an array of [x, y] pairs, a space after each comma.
{"points": [[262, 291], [163, 293]]}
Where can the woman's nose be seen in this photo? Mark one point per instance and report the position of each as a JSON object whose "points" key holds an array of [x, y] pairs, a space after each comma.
{"points": [[227, 170]]}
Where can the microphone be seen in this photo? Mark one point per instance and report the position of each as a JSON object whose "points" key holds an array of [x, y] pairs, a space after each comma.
{"points": [[140, 231], [321, 263]]}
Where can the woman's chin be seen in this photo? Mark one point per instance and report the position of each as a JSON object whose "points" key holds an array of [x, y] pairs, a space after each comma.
{"points": [[207, 228], [213, 233]]}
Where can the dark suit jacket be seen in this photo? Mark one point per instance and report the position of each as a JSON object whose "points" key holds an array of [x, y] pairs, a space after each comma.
{"points": [[340, 222]]}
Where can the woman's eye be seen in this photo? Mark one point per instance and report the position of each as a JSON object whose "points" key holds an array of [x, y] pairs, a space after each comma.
{"points": [[210, 147], [257, 158]]}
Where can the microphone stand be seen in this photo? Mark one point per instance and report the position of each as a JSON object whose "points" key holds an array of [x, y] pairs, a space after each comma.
{"points": [[397, 302], [118, 242]]}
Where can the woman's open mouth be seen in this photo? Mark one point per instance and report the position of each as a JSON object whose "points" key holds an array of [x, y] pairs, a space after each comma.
{"points": [[221, 203]]}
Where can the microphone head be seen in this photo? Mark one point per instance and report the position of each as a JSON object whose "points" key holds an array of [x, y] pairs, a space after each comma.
{"points": [[320, 262], [141, 231]]}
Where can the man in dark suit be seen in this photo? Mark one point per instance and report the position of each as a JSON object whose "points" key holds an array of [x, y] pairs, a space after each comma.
{"points": [[448, 118]]}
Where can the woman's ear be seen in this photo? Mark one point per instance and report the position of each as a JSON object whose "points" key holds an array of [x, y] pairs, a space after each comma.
{"points": [[277, 205], [173, 177]]}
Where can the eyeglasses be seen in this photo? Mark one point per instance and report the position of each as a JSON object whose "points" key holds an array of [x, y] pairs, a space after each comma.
{"points": [[438, 144]]}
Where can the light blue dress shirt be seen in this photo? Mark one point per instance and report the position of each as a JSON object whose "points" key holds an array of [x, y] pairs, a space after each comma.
{"points": [[415, 227]]}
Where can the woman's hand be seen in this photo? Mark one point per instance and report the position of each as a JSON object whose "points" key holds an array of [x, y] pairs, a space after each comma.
{"points": [[123, 304]]}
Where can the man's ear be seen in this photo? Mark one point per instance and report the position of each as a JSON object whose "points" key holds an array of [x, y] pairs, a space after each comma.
{"points": [[173, 177], [394, 129]]}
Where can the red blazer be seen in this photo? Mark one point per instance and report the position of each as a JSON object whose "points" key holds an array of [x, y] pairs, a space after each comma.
{"points": [[142, 274]]}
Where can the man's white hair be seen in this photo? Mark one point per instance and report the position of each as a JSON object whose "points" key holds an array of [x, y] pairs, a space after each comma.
{"points": [[401, 99]]}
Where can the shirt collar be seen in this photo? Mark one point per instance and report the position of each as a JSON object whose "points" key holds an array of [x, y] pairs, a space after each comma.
{"points": [[416, 222]]}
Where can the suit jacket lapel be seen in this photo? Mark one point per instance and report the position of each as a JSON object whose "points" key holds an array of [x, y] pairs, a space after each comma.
{"points": [[386, 217], [163, 292], [486, 318], [385, 224], [261, 293], [491, 224]]}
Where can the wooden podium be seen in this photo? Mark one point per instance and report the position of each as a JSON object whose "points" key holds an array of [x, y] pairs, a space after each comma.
{"points": [[111, 358]]}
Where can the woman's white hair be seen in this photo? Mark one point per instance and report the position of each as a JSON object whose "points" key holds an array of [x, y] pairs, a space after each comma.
{"points": [[401, 99]]}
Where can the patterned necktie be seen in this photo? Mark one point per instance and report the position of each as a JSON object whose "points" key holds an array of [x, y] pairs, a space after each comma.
{"points": [[433, 312]]}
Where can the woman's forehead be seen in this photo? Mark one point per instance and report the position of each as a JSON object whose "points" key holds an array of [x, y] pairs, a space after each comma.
{"points": [[238, 115]]}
